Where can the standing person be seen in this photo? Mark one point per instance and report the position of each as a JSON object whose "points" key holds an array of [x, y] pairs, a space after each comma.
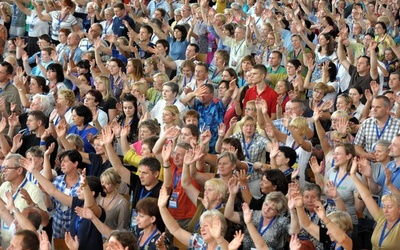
{"points": [[118, 26], [9, 92], [108, 103], [240, 45], [58, 18], [262, 90]]}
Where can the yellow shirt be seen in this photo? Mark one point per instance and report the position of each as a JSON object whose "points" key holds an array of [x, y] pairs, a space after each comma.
{"points": [[391, 241]]}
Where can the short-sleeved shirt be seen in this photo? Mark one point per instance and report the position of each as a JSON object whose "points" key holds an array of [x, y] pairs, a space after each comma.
{"points": [[239, 49], [138, 191], [392, 239], [255, 149], [360, 81], [177, 48], [367, 134], [60, 21], [395, 177], [119, 28], [268, 94], [97, 167]]}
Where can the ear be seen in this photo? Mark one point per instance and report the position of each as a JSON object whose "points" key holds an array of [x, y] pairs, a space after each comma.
{"points": [[156, 174], [153, 219], [287, 160], [274, 187]]}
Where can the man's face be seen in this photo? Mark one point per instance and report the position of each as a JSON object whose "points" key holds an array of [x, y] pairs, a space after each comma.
{"points": [[200, 73], [118, 12], [178, 155], [3, 74], [32, 123], [378, 108], [394, 81], [239, 34], [256, 76], [144, 35], [72, 40], [10, 172], [186, 11], [95, 31], [362, 65], [147, 178], [190, 53], [274, 60], [394, 148]]}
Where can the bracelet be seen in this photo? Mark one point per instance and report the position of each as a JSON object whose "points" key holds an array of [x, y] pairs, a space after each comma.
{"points": [[243, 187], [166, 166], [42, 143]]}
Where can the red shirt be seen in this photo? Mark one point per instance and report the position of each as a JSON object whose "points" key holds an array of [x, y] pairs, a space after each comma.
{"points": [[268, 94], [186, 209]]}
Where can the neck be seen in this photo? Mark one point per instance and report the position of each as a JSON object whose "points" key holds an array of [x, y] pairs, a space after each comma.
{"points": [[80, 127], [381, 121], [275, 67], [39, 131], [147, 231], [152, 185], [343, 168], [112, 194], [385, 161], [397, 161], [212, 245], [3, 84], [15, 184], [261, 85], [283, 168], [72, 176], [171, 101]]}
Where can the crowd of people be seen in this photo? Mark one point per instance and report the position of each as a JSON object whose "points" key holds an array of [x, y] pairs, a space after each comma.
{"points": [[209, 124]]}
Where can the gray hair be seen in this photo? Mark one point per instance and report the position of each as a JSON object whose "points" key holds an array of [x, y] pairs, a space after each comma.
{"points": [[212, 213], [44, 103]]}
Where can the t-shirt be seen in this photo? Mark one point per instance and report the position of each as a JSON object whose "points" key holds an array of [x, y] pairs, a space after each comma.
{"points": [[97, 167], [360, 81], [268, 94], [392, 239], [88, 235], [139, 192]]}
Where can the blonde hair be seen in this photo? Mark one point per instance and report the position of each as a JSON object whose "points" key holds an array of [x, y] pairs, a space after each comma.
{"points": [[300, 123], [164, 77], [218, 184], [342, 220], [278, 198], [106, 81], [392, 197], [68, 95], [110, 176], [174, 111]]}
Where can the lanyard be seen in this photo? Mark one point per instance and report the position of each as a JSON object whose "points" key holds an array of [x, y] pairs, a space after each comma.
{"points": [[176, 178], [311, 216], [58, 118], [237, 50], [61, 20], [262, 232], [88, 45], [141, 194], [148, 239], [216, 72], [77, 224], [246, 149], [294, 53], [288, 172], [258, 20], [383, 234], [198, 223], [61, 49], [108, 26], [286, 97], [341, 180], [380, 133], [275, 71], [184, 80], [19, 189]]}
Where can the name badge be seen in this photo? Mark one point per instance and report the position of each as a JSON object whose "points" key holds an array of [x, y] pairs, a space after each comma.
{"points": [[173, 200]]}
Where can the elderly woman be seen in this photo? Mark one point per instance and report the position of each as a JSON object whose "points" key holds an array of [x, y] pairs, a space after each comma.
{"points": [[387, 228], [221, 60], [212, 227], [272, 226], [337, 225]]}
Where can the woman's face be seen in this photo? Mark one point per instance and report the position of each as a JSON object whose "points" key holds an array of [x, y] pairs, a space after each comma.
{"points": [[270, 40], [226, 76], [246, 66], [34, 87], [381, 153], [67, 165], [340, 156], [168, 117], [77, 120], [355, 96], [250, 110], [266, 186], [148, 67], [280, 88], [291, 69], [205, 228], [167, 93], [391, 210], [186, 135], [108, 188], [158, 83], [177, 34], [322, 40], [144, 133], [219, 60], [99, 85], [38, 160], [83, 80], [269, 210], [296, 42], [342, 105], [248, 129], [187, 71], [318, 95], [310, 197], [226, 31], [222, 89], [89, 101], [281, 159], [146, 152], [108, 15], [129, 109], [144, 220], [51, 75], [62, 101], [211, 193], [379, 29], [114, 68], [129, 67], [225, 166]]}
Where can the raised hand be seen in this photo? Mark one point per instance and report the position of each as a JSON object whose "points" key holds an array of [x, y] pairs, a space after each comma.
{"points": [[17, 141], [160, 241], [342, 125], [237, 240], [331, 190], [269, 131], [221, 130], [274, 150], [61, 128], [25, 195], [320, 210], [215, 228], [232, 122], [243, 177], [108, 135], [316, 168], [363, 167], [388, 175], [84, 212], [10, 201], [167, 151], [375, 88], [125, 131], [72, 243], [28, 165], [295, 243], [44, 241], [233, 185], [247, 213], [172, 133], [3, 124], [163, 198]]}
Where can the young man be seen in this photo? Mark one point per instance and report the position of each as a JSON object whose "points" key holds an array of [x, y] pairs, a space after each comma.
{"points": [[119, 28]]}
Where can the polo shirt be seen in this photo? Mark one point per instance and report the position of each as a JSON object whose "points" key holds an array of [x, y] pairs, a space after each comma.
{"points": [[268, 94]]}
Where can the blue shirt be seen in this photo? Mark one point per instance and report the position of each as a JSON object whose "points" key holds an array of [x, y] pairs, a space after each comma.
{"points": [[119, 28], [211, 116], [395, 177], [177, 48], [88, 148]]}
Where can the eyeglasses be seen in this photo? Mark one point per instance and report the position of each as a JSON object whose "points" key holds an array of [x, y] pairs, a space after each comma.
{"points": [[250, 109], [7, 168]]}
